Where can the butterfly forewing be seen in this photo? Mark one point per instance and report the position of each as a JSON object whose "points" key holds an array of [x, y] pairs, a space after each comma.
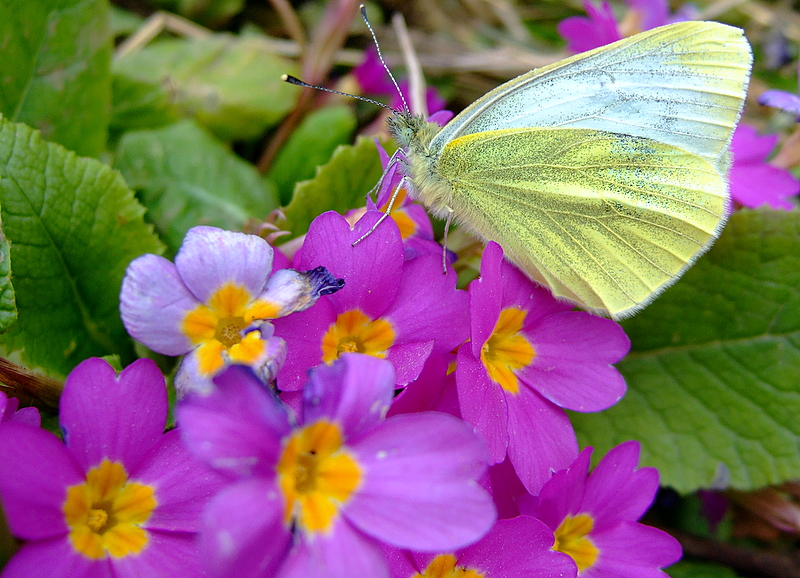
{"points": [[604, 219], [681, 84]]}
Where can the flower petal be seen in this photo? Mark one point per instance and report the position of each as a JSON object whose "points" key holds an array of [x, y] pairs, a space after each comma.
{"points": [[168, 554], [408, 359], [485, 294], [562, 495], [153, 303], [616, 490], [119, 418], [428, 306], [540, 438], [355, 391], [371, 270], [183, 485], [632, 550], [303, 333], [244, 532], [237, 427], [518, 548], [342, 553], [210, 257], [787, 101], [419, 487], [55, 558], [36, 471], [482, 403], [572, 366]]}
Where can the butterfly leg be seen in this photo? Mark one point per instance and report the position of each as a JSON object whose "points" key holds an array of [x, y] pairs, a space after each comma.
{"points": [[444, 239], [385, 215]]}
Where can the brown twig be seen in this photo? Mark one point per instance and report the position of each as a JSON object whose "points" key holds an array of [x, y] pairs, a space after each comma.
{"points": [[31, 388], [744, 560], [327, 39]]}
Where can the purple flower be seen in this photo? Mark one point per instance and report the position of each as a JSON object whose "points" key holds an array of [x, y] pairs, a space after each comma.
{"points": [[516, 548], [121, 498], [594, 518], [788, 101], [9, 412], [212, 303], [601, 28], [401, 310], [372, 76], [582, 33], [753, 181], [528, 356], [373, 79], [318, 498]]}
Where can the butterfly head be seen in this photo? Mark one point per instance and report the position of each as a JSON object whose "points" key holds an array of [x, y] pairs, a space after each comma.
{"points": [[411, 131]]}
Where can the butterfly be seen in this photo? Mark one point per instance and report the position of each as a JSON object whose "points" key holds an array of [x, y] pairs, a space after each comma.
{"points": [[603, 176]]}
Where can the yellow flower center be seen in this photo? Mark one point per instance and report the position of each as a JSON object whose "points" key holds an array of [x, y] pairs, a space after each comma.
{"points": [[506, 351], [444, 566], [105, 514], [354, 332], [572, 539], [405, 223], [317, 476], [219, 326]]}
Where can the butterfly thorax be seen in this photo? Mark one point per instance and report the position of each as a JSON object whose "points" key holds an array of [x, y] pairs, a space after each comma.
{"points": [[414, 135]]}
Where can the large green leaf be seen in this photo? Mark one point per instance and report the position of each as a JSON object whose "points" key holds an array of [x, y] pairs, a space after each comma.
{"points": [[185, 177], [714, 372], [74, 226], [55, 69], [340, 185], [231, 85], [8, 305]]}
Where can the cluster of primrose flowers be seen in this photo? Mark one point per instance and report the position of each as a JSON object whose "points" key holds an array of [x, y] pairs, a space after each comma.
{"points": [[355, 415]]}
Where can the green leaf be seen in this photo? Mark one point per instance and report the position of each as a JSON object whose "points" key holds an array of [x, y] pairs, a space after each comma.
{"points": [[713, 383], [340, 185], [310, 146], [185, 177], [55, 69], [230, 85], [692, 569], [74, 226], [8, 306]]}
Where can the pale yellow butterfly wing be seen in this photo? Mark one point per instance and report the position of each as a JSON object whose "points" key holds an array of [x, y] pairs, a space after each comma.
{"points": [[682, 84], [605, 220]]}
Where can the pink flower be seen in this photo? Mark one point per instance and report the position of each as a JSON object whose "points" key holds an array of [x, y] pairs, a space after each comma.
{"points": [[594, 518], [582, 33], [516, 548], [600, 27], [319, 497], [121, 498], [529, 356], [9, 412], [373, 79], [753, 181], [393, 308]]}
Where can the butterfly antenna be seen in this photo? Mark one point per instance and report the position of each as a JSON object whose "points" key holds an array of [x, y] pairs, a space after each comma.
{"points": [[380, 56], [297, 82]]}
